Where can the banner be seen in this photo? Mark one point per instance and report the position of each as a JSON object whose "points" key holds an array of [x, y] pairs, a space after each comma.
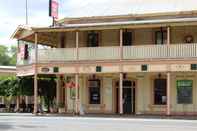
{"points": [[53, 8]]}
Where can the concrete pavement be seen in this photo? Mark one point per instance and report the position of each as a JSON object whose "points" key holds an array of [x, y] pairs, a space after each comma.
{"points": [[28, 122]]}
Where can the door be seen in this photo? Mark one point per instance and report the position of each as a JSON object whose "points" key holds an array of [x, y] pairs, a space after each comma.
{"points": [[127, 38], [128, 97], [127, 101]]}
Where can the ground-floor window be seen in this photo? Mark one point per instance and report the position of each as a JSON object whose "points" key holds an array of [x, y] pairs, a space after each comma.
{"points": [[184, 91], [160, 91], [94, 91]]}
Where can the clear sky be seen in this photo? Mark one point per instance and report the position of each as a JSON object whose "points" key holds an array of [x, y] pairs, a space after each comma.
{"points": [[12, 12]]}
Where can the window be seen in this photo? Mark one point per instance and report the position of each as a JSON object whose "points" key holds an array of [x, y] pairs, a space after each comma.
{"points": [[160, 92], [93, 39], [160, 37], [184, 91], [94, 92], [127, 38]]}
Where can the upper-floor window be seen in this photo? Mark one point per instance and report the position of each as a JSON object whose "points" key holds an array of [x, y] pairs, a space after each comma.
{"points": [[160, 37], [93, 39], [160, 91], [127, 38]]}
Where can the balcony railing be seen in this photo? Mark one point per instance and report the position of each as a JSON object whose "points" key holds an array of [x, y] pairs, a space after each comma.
{"points": [[173, 51], [55, 55], [99, 53]]}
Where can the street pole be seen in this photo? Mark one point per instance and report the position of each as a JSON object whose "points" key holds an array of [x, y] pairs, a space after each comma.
{"points": [[26, 11]]}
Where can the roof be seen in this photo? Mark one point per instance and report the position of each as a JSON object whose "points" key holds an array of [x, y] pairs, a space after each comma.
{"points": [[177, 14], [49, 35]]}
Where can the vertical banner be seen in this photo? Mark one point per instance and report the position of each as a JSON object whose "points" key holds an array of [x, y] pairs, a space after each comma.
{"points": [[53, 8]]}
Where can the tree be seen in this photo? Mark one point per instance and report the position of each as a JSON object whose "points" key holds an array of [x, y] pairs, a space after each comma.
{"points": [[13, 55], [8, 56], [4, 57], [23, 86]]}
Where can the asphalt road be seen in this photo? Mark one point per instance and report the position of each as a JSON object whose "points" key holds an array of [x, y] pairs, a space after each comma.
{"points": [[32, 123]]}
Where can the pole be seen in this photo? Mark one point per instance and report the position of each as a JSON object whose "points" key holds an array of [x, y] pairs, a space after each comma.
{"points": [[120, 94], [35, 76], [26, 10], [76, 94], [168, 94]]}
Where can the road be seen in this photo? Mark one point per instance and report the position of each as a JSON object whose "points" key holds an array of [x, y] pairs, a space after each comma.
{"points": [[32, 123]]}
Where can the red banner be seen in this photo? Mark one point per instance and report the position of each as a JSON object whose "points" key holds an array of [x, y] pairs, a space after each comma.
{"points": [[53, 8]]}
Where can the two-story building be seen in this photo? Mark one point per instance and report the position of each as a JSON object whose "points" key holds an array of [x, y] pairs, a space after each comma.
{"points": [[125, 64]]}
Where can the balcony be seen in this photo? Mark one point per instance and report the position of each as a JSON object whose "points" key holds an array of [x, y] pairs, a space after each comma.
{"points": [[173, 51]]}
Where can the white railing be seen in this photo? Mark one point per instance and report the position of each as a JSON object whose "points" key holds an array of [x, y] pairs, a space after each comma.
{"points": [[183, 50], [55, 55], [173, 51], [160, 51], [144, 52], [99, 53]]}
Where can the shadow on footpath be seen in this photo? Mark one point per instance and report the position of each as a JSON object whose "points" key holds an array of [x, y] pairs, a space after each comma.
{"points": [[4, 127]]}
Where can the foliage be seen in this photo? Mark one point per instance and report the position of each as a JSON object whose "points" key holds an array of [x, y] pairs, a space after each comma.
{"points": [[4, 56], [9, 86], [47, 89], [13, 86], [8, 55], [13, 55]]}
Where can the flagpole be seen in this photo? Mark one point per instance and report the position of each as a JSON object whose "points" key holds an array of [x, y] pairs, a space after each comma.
{"points": [[26, 10]]}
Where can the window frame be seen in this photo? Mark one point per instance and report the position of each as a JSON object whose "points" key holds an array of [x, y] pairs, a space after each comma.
{"points": [[163, 39], [124, 43], [94, 34], [154, 93], [177, 91], [89, 92]]}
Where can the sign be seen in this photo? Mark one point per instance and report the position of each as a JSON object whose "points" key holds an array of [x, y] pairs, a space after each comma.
{"points": [[53, 8], [45, 70]]}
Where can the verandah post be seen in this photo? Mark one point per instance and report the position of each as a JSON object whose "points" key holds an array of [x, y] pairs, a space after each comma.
{"points": [[121, 75], [35, 76], [77, 76], [168, 76]]}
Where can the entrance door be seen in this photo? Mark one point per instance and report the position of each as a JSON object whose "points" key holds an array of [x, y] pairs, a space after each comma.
{"points": [[128, 97], [127, 101]]}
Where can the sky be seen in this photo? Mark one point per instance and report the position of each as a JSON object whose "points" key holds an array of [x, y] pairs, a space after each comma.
{"points": [[12, 12]]}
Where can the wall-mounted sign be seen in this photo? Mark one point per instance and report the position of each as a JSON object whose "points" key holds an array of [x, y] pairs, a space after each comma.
{"points": [[55, 69], [45, 70], [53, 8], [189, 39]]}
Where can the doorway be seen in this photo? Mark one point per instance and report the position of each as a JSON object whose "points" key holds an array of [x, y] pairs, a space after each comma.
{"points": [[128, 97]]}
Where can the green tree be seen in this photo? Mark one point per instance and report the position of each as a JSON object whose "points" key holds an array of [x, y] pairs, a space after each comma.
{"points": [[8, 56], [4, 57], [13, 55]]}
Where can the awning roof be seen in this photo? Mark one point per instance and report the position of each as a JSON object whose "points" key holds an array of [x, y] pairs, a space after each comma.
{"points": [[49, 35]]}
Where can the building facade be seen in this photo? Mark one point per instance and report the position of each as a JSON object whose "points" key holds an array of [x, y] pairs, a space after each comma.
{"points": [[128, 64]]}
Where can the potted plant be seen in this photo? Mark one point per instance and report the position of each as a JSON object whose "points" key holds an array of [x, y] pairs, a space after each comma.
{"points": [[61, 108]]}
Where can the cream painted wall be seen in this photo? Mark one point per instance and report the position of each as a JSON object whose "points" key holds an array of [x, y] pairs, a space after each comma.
{"points": [[143, 36], [175, 107], [70, 40], [110, 38], [107, 105], [178, 33], [144, 94], [108, 93]]}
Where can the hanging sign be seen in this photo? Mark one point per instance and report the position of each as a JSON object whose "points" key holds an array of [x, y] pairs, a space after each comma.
{"points": [[53, 8]]}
